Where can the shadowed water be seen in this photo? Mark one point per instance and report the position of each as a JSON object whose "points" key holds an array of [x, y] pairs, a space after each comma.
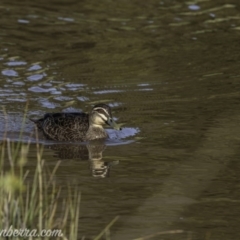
{"points": [[169, 70]]}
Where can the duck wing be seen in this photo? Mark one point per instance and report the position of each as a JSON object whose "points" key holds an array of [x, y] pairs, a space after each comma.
{"points": [[64, 126]]}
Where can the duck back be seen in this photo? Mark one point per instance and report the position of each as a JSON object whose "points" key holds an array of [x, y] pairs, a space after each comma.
{"points": [[64, 126]]}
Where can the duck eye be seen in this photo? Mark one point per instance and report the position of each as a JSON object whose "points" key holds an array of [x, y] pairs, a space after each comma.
{"points": [[100, 111]]}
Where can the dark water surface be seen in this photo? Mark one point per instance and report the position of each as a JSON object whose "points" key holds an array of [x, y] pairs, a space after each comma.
{"points": [[170, 71]]}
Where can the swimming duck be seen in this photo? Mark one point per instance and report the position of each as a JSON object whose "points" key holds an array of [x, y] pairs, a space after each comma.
{"points": [[77, 126]]}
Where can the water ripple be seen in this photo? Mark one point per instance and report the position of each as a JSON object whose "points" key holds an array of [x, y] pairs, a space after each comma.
{"points": [[38, 89], [15, 63], [36, 77], [108, 91], [9, 73], [46, 104], [63, 98], [19, 83], [83, 99], [24, 21], [66, 19], [194, 7], [209, 10], [34, 67]]}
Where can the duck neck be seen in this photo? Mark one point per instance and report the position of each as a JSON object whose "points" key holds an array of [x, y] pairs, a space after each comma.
{"points": [[95, 131]]}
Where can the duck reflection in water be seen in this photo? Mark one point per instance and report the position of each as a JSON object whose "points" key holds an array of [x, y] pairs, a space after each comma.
{"points": [[98, 167], [92, 152]]}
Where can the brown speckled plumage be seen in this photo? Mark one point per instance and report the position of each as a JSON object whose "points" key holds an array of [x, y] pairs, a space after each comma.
{"points": [[76, 126]]}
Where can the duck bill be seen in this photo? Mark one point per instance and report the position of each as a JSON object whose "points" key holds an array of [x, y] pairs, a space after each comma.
{"points": [[113, 124]]}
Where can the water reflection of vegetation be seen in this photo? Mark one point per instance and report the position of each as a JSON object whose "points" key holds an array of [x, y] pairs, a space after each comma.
{"points": [[92, 152]]}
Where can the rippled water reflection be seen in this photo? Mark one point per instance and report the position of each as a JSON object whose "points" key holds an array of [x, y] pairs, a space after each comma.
{"points": [[169, 70]]}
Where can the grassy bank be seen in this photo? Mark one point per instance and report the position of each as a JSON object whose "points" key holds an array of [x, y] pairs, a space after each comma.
{"points": [[34, 204]]}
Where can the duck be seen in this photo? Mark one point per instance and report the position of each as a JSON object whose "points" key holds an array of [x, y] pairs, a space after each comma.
{"points": [[77, 126]]}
